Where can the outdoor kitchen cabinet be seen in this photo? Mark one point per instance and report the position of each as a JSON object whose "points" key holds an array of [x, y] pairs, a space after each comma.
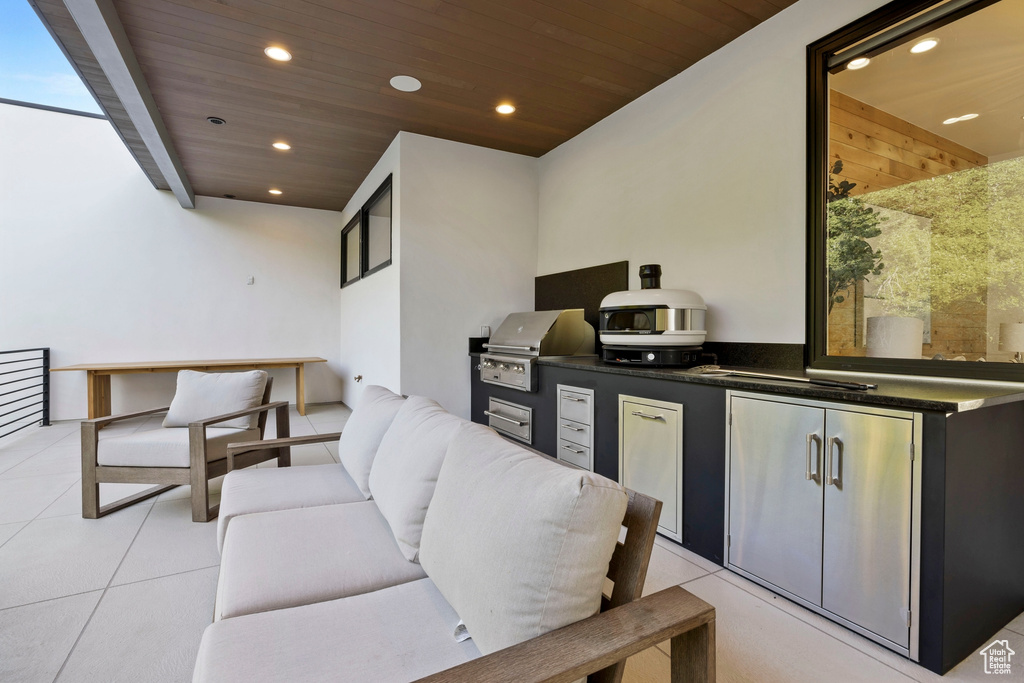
{"points": [[822, 504], [651, 456]]}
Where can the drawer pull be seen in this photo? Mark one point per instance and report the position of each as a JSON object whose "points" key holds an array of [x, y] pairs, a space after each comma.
{"points": [[648, 417], [575, 429], [573, 450], [506, 419]]}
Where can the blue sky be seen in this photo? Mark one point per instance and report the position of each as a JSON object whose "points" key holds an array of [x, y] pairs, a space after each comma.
{"points": [[32, 67]]}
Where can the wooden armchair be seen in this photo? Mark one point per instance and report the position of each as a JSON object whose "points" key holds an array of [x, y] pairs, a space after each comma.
{"points": [[158, 456]]}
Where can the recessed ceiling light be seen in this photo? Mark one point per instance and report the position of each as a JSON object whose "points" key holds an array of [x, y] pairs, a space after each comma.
{"points": [[216, 120], [858, 63], [278, 53], [504, 109], [274, 191], [957, 119], [924, 45], [282, 146], [406, 83]]}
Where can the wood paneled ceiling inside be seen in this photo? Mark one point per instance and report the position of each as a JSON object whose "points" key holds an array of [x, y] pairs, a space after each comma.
{"points": [[565, 64]]}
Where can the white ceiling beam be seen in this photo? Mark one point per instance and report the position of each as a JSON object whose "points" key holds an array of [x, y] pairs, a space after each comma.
{"points": [[102, 30]]}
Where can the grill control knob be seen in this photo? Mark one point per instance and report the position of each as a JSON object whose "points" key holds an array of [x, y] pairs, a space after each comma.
{"points": [[520, 370], [504, 367], [650, 356]]}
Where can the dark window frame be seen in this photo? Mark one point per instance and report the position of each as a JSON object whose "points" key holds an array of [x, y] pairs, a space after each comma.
{"points": [[364, 238], [356, 222], [818, 54]]}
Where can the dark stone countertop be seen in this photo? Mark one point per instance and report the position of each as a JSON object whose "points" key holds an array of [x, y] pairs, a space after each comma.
{"points": [[892, 392]]}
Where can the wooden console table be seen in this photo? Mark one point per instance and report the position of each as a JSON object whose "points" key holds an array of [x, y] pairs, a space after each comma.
{"points": [[98, 375]]}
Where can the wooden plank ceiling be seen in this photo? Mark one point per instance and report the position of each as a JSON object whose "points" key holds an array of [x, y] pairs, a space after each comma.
{"points": [[565, 64]]}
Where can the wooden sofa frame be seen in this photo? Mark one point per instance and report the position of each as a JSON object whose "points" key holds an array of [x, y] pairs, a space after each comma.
{"points": [[197, 474], [595, 648]]}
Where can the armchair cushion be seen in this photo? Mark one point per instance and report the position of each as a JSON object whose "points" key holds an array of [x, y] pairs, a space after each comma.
{"points": [[517, 544], [289, 558], [282, 488], [405, 470], [202, 395], [363, 432], [162, 447], [393, 635]]}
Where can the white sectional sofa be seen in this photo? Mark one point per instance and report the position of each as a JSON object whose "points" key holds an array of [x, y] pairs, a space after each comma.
{"points": [[436, 544]]}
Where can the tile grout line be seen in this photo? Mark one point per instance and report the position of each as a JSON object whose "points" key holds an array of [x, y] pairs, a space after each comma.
{"points": [[61, 495], [819, 630], [100, 601]]}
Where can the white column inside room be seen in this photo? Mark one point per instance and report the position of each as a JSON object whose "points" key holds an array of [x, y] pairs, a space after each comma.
{"points": [[100, 267]]}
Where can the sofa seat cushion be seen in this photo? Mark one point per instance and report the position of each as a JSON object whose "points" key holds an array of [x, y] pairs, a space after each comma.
{"points": [[287, 558], [393, 635], [283, 488], [363, 432], [405, 469], [167, 447], [201, 395], [517, 543]]}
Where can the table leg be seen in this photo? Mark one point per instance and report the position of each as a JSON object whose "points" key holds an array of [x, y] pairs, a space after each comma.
{"points": [[300, 388], [98, 387]]}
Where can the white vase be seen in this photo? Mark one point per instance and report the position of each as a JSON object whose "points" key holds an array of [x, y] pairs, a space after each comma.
{"points": [[894, 336]]}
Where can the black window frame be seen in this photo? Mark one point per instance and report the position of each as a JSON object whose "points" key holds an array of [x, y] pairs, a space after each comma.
{"points": [[364, 238], [818, 55], [362, 221], [353, 224]]}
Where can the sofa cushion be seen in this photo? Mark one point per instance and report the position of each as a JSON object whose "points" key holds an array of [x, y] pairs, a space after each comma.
{"points": [[167, 447], [200, 395], [287, 558], [518, 544], [393, 635], [282, 488], [363, 432], [405, 470]]}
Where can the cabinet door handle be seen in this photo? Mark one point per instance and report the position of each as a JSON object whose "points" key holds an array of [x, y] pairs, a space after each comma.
{"points": [[808, 472], [831, 478], [575, 429], [573, 450], [517, 423], [648, 417]]}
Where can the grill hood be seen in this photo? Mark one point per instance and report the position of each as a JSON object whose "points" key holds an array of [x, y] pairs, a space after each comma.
{"points": [[544, 333]]}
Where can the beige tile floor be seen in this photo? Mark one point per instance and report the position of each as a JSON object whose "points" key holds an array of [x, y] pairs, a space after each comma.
{"points": [[126, 598]]}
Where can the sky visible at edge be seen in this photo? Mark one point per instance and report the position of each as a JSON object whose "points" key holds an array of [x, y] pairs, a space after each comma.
{"points": [[32, 67]]}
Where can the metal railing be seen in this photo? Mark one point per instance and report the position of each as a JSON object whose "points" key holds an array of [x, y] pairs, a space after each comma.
{"points": [[24, 389]]}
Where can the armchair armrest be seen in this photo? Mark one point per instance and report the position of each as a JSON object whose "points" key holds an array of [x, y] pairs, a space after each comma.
{"points": [[592, 644], [206, 422], [101, 422], [267, 444]]}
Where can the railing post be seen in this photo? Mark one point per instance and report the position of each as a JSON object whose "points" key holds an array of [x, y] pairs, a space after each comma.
{"points": [[46, 387]]}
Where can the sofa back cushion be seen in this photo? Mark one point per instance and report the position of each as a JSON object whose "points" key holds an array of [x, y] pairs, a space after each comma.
{"points": [[364, 431], [201, 395], [518, 544], [405, 469]]}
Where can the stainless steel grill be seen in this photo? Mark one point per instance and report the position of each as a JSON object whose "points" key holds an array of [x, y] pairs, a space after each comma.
{"points": [[524, 337]]}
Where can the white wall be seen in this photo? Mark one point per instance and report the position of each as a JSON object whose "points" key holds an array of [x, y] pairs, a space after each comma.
{"points": [[101, 267], [469, 245], [705, 175], [370, 342]]}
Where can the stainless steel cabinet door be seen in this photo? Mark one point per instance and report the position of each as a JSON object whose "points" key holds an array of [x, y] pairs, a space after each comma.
{"points": [[868, 494], [775, 495], [651, 456]]}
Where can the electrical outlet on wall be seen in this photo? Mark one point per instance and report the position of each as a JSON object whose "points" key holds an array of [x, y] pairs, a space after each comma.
{"points": [[250, 280]]}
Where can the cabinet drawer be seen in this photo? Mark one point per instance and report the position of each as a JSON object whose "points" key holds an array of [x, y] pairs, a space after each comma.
{"points": [[577, 432], [574, 406], [574, 453]]}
